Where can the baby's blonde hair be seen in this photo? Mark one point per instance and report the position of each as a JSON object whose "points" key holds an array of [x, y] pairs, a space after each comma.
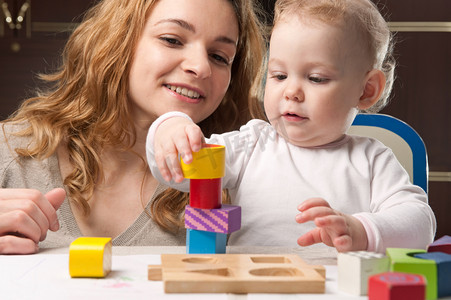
{"points": [[364, 17]]}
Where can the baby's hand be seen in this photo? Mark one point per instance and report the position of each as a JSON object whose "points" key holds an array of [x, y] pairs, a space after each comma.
{"points": [[176, 135], [335, 229]]}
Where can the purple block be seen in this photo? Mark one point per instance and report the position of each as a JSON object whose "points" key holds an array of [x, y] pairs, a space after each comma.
{"points": [[443, 244], [226, 219]]}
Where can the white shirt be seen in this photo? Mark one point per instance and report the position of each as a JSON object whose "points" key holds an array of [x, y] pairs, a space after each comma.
{"points": [[269, 177]]}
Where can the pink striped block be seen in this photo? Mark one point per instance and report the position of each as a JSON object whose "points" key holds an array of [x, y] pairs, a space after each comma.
{"points": [[226, 219]]}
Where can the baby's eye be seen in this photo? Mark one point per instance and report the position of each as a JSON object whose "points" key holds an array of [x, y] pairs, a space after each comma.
{"points": [[170, 40], [279, 76], [220, 59], [317, 79]]}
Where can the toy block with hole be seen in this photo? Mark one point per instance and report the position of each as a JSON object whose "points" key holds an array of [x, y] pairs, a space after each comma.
{"points": [[396, 286], [90, 257], [226, 219], [198, 241], [443, 262], [355, 267], [443, 244], [239, 273], [208, 163], [403, 260]]}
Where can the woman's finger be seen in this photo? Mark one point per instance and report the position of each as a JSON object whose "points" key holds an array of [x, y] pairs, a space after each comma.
{"points": [[10, 244], [24, 211], [20, 224]]}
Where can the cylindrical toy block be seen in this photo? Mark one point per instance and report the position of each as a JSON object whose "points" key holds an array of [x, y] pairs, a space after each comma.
{"points": [[205, 193], [207, 163], [90, 257]]}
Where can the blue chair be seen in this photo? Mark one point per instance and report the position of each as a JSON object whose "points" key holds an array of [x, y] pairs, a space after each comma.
{"points": [[404, 141]]}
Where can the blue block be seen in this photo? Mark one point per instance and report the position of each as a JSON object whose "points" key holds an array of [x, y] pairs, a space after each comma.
{"points": [[205, 242], [443, 262]]}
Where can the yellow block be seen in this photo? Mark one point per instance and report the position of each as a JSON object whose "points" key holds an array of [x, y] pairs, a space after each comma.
{"points": [[90, 257], [208, 163]]}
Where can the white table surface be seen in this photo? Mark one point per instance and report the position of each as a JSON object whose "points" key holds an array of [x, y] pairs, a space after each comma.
{"points": [[46, 276]]}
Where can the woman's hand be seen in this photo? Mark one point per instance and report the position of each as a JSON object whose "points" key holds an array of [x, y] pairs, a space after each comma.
{"points": [[176, 135], [335, 229], [25, 217]]}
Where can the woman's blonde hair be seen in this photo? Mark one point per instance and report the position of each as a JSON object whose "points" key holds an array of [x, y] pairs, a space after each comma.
{"points": [[88, 97], [365, 18]]}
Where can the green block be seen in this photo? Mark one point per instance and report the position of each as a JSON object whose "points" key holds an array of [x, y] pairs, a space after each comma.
{"points": [[402, 260]]}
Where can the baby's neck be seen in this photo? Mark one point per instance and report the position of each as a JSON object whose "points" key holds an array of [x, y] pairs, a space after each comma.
{"points": [[338, 142]]}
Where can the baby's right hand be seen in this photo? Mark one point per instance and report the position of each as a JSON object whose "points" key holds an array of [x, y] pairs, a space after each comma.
{"points": [[176, 135]]}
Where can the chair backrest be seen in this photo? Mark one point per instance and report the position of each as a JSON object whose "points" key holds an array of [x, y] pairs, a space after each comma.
{"points": [[404, 141]]}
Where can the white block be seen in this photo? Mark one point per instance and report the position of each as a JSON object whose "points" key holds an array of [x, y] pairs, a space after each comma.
{"points": [[355, 268]]}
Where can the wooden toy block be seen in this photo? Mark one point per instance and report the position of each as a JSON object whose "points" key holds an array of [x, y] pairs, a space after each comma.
{"points": [[403, 260], [205, 193], [208, 163], [396, 286], [198, 241], [355, 268], [443, 262], [90, 257], [240, 273], [443, 244], [226, 219], [154, 272]]}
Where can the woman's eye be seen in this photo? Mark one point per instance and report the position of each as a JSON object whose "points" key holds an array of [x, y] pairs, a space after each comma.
{"points": [[170, 40], [220, 59]]}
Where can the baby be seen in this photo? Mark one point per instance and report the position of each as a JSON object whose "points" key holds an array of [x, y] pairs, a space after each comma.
{"points": [[328, 60]]}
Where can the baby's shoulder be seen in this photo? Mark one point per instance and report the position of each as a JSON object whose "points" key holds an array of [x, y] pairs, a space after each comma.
{"points": [[367, 145]]}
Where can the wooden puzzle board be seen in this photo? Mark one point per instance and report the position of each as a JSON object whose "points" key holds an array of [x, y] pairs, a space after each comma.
{"points": [[239, 273]]}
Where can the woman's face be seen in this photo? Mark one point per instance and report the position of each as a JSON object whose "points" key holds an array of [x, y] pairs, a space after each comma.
{"points": [[183, 59]]}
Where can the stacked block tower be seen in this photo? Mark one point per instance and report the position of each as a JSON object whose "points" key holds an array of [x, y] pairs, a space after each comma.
{"points": [[207, 220]]}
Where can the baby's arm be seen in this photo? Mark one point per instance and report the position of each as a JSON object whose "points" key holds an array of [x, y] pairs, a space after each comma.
{"points": [[335, 229], [174, 135]]}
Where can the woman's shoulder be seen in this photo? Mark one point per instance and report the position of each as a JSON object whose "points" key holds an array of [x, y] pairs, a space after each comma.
{"points": [[10, 137]]}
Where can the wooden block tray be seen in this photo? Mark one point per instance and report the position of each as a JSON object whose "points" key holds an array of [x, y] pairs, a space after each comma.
{"points": [[237, 273]]}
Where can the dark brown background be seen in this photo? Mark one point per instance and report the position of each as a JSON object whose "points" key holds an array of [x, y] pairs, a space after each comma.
{"points": [[421, 96]]}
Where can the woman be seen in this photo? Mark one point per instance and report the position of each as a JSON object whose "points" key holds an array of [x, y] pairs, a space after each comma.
{"points": [[126, 64]]}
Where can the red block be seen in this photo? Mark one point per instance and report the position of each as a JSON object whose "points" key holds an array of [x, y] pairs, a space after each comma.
{"points": [[205, 193], [396, 286]]}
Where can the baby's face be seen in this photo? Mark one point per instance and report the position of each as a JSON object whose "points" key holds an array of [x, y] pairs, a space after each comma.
{"points": [[316, 76]]}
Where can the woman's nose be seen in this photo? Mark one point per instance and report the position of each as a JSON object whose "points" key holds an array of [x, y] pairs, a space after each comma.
{"points": [[197, 63]]}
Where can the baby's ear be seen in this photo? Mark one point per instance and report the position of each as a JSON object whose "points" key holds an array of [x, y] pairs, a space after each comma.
{"points": [[374, 87]]}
